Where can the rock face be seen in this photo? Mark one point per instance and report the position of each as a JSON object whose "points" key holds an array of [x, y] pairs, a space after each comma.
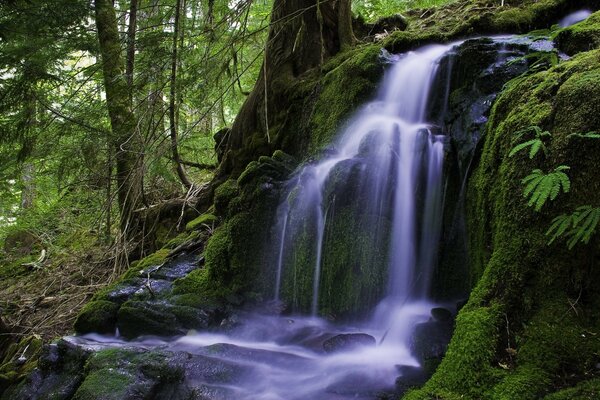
{"points": [[348, 341]]}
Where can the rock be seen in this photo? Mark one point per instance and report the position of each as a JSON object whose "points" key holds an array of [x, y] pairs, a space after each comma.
{"points": [[348, 341], [21, 243], [441, 314], [136, 318], [430, 340], [97, 316], [410, 377]]}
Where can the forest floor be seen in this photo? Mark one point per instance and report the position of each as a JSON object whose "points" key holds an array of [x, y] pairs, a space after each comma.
{"points": [[44, 300]]}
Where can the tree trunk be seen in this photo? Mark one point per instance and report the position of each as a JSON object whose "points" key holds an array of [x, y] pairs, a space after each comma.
{"points": [[303, 33], [125, 137], [131, 30], [173, 111]]}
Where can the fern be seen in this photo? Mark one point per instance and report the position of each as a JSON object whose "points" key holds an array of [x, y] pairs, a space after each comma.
{"points": [[535, 145], [589, 135], [539, 187], [577, 227]]}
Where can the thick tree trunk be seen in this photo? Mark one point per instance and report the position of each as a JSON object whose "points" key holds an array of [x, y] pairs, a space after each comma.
{"points": [[303, 33], [125, 137]]}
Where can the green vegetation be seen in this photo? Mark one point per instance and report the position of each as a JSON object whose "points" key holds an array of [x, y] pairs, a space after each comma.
{"points": [[540, 186], [531, 327]]}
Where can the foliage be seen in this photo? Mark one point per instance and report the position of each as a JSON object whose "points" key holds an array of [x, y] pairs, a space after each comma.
{"points": [[576, 227], [535, 145], [371, 10], [539, 186]]}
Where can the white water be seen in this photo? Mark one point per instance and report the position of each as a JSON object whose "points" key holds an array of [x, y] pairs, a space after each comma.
{"points": [[283, 358], [403, 156], [574, 18]]}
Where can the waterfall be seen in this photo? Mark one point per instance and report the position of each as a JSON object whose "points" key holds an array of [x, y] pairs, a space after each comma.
{"points": [[400, 158]]}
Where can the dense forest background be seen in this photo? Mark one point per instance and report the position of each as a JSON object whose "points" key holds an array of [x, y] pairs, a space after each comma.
{"points": [[186, 68]]}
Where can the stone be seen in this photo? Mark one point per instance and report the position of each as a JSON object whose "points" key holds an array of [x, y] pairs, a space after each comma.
{"points": [[348, 341]]}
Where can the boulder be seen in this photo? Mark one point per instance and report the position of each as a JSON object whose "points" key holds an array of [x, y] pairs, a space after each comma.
{"points": [[348, 341]]}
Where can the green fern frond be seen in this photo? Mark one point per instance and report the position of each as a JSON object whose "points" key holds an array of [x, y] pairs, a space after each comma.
{"points": [[535, 145], [577, 227], [589, 135], [539, 187]]}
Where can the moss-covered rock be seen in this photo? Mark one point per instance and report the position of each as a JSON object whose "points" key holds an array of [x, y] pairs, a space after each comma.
{"points": [[583, 36], [97, 316], [204, 219], [136, 318], [525, 330], [224, 193], [128, 373]]}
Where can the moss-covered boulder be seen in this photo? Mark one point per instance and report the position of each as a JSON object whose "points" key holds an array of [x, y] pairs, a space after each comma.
{"points": [[97, 316], [525, 331], [583, 36], [59, 372]]}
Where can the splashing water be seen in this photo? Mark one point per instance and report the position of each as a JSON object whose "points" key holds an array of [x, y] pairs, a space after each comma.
{"points": [[400, 159]]}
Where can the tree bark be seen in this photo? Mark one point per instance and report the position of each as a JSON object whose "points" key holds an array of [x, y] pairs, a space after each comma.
{"points": [[173, 108], [302, 34], [131, 30], [125, 138]]}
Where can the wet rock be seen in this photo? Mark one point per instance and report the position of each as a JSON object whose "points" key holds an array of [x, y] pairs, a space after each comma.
{"points": [[60, 372], [357, 385], [348, 341], [430, 342], [410, 377], [136, 318], [441, 314]]}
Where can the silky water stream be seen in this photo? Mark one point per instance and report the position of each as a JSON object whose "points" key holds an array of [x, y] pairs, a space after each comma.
{"points": [[397, 156]]}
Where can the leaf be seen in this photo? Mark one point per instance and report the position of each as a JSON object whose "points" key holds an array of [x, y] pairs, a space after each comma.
{"points": [[539, 187], [583, 223]]}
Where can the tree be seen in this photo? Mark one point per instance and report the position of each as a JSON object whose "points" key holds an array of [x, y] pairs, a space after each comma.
{"points": [[125, 137], [302, 35]]}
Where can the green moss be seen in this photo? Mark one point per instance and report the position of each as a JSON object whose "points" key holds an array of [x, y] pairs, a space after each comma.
{"points": [[580, 37], [158, 318], [155, 259], [97, 316], [467, 370], [350, 80], [105, 384], [224, 194], [524, 289], [204, 219], [587, 390], [126, 373], [20, 359]]}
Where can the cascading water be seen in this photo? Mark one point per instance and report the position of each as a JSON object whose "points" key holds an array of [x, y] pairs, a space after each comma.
{"points": [[400, 161], [384, 179]]}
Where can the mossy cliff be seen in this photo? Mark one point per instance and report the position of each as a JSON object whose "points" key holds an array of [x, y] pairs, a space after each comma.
{"points": [[532, 323]]}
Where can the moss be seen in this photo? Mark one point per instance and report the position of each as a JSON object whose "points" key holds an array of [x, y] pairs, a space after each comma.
{"points": [[97, 316], [126, 373], [195, 282], [106, 384], [155, 259], [154, 318], [526, 286], [583, 36], [204, 219], [467, 368], [20, 359], [224, 194], [350, 80], [587, 390]]}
